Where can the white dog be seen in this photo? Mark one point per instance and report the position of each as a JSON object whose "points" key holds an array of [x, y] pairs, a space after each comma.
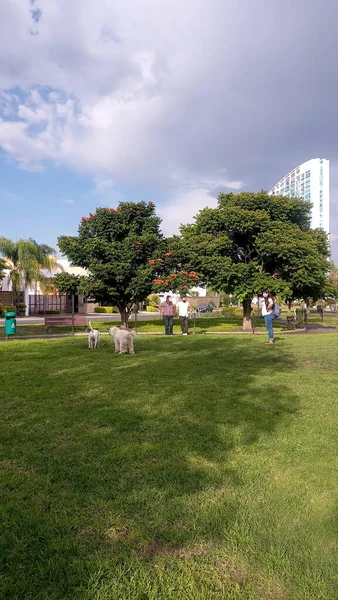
{"points": [[93, 337], [123, 340]]}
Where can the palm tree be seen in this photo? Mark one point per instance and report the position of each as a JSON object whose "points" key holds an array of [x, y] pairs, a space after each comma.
{"points": [[2, 270], [25, 259]]}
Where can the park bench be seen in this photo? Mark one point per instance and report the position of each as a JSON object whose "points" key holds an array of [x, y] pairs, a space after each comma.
{"points": [[65, 321]]}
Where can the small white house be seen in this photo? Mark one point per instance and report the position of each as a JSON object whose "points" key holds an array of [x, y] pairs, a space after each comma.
{"points": [[65, 267]]}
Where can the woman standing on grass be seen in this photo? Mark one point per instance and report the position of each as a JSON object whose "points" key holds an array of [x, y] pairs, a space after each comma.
{"points": [[268, 314]]}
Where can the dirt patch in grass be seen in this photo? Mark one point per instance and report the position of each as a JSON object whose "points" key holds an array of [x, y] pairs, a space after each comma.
{"points": [[231, 574], [235, 572], [15, 467], [155, 549]]}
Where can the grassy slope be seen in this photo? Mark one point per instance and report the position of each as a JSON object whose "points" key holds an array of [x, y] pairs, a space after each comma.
{"points": [[201, 468]]}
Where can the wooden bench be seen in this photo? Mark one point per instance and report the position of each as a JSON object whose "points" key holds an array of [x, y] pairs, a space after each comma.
{"points": [[65, 321]]}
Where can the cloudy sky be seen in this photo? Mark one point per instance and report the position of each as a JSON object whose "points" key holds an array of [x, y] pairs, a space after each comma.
{"points": [[163, 100]]}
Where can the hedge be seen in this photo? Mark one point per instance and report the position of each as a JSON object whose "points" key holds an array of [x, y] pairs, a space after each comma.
{"points": [[106, 309], [152, 309], [232, 311], [5, 309]]}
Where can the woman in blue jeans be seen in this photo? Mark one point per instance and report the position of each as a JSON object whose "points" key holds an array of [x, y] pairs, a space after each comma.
{"points": [[268, 314]]}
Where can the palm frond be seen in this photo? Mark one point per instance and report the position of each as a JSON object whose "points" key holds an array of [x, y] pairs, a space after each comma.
{"points": [[15, 278], [25, 259], [8, 249]]}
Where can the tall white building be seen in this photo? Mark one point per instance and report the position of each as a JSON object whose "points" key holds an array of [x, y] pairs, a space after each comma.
{"points": [[310, 181]]}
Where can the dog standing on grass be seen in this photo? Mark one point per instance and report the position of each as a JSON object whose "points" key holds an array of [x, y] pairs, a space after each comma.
{"points": [[123, 339], [93, 337]]}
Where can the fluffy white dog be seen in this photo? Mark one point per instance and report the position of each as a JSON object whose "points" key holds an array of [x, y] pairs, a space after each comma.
{"points": [[93, 337], [123, 340]]}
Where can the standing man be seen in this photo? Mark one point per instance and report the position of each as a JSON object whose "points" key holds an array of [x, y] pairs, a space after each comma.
{"points": [[183, 307], [167, 310]]}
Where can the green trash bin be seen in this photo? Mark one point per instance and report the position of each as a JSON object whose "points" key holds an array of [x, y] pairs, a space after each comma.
{"points": [[10, 323]]}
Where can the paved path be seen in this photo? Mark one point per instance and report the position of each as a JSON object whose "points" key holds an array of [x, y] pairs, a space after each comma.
{"points": [[93, 317]]}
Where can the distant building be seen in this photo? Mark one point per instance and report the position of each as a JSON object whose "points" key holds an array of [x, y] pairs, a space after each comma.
{"points": [[310, 181]]}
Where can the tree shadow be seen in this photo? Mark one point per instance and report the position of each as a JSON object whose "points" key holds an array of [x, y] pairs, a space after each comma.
{"points": [[130, 455]]}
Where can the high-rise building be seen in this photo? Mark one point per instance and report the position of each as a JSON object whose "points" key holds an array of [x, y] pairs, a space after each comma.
{"points": [[310, 181]]}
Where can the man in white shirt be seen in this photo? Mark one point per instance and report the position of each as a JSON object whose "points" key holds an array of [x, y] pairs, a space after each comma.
{"points": [[183, 308]]}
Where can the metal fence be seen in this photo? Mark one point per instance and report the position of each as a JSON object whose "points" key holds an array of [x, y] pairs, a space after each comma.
{"points": [[38, 304]]}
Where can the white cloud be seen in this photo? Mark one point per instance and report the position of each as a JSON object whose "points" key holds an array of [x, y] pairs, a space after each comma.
{"points": [[174, 94], [183, 208], [103, 89], [68, 201], [105, 190]]}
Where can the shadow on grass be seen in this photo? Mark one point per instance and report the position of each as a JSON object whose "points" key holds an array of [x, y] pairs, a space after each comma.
{"points": [[108, 457]]}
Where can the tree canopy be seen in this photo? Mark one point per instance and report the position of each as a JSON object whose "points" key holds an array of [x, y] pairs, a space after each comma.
{"points": [[255, 241], [25, 259], [2, 269], [115, 245], [68, 283]]}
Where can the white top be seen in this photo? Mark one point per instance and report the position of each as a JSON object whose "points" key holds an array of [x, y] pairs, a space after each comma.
{"points": [[270, 309], [183, 308]]}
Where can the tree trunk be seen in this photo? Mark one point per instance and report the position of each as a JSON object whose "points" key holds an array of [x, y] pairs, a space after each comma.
{"points": [[247, 325], [26, 294], [125, 314]]}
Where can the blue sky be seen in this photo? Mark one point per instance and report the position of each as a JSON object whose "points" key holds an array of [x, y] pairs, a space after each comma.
{"points": [[163, 100], [50, 203]]}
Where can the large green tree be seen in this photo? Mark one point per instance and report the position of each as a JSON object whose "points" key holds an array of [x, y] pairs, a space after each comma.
{"points": [[255, 241], [331, 289], [67, 283], [115, 245]]}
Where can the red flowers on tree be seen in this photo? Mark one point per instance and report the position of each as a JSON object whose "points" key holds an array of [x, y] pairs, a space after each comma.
{"points": [[176, 282]]}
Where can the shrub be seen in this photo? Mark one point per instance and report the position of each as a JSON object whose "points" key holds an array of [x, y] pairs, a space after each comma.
{"points": [[153, 300], [225, 299], [106, 309], [232, 311], [21, 309], [5, 309], [52, 312], [152, 309]]}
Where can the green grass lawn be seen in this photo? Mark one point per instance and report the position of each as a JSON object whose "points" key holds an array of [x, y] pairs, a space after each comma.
{"points": [[201, 468], [156, 325]]}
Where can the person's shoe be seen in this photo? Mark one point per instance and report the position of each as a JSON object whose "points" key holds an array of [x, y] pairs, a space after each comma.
{"points": [[270, 343], [185, 334]]}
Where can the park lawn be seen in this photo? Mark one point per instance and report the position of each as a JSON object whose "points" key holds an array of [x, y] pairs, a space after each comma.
{"points": [[156, 325], [209, 324], [200, 468]]}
